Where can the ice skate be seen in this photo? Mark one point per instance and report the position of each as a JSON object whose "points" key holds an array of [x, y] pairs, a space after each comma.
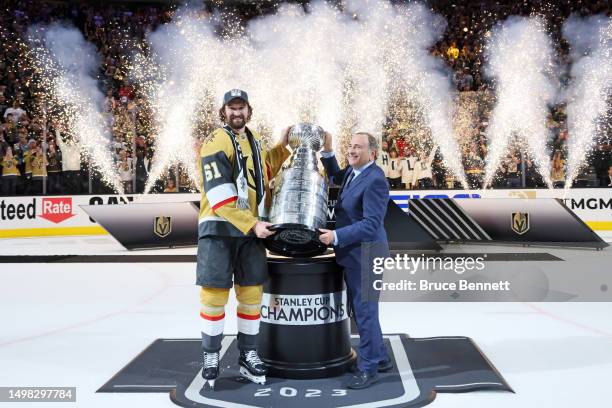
{"points": [[251, 367], [210, 370]]}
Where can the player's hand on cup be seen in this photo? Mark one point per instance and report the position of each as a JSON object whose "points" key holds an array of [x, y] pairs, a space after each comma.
{"points": [[261, 229], [285, 136], [326, 236], [328, 145]]}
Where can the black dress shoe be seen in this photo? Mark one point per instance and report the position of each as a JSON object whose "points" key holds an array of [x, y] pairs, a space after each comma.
{"points": [[383, 366], [361, 380]]}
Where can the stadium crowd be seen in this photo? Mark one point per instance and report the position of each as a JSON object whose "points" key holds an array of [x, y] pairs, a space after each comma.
{"points": [[38, 156]]}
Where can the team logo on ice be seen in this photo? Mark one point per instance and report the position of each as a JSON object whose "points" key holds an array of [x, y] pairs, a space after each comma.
{"points": [[520, 222], [162, 226]]}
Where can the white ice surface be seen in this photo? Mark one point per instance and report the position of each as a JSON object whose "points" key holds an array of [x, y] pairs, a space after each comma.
{"points": [[78, 324]]}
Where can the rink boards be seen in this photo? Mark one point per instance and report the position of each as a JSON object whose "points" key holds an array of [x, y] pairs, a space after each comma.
{"points": [[62, 215]]}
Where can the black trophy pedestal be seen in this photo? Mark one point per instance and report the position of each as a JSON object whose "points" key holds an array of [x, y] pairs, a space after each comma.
{"points": [[294, 240], [305, 330]]}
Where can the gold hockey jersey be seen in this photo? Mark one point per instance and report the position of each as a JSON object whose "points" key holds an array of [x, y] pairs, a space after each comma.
{"points": [[219, 215]]}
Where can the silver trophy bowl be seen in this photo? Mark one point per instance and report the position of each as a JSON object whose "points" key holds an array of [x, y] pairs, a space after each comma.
{"points": [[299, 199]]}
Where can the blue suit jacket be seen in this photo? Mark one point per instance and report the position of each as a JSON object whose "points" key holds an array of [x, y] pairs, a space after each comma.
{"points": [[360, 212]]}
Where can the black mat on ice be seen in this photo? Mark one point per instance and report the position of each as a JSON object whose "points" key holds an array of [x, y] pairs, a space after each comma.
{"points": [[422, 367]]}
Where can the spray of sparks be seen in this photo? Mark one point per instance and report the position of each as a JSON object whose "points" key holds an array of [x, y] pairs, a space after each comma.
{"points": [[346, 69], [591, 42], [422, 78], [520, 60], [66, 65], [296, 66], [174, 77]]}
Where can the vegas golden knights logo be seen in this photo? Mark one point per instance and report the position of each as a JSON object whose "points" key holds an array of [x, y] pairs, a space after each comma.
{"points": [[162, 226], [520, 222]]}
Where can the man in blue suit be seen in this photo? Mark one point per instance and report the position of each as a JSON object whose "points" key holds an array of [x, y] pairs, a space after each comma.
{"points": [[360, 213]]}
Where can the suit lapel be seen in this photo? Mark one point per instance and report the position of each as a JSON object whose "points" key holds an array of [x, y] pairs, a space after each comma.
{"points": [[344, 180], [356, 180]]}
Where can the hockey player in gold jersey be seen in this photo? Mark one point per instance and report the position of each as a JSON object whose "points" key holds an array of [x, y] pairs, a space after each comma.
{"points": [[236, 171]]}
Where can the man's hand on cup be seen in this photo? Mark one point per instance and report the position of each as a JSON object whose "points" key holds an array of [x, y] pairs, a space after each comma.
{"points": [[261, 229], [327, 236], [328, 146]]}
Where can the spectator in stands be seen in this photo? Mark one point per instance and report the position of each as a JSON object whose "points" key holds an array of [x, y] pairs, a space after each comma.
{"points": [[170, 186], [450, 181], [142, 164], [110, 103], [3, 149], [3, 105], [557, 173], [54, 168], [126, 172], [438, 171], [71, 161], [16, 111], [513, 171], [383, 157], [10, 173], [25, 158], [399, 144], [186, 185], [533, 179], [601, 158], [9, 130], [423, 175], [560, 143], [466, 82], [126, 91], [38, 166], [394, 170], [3, 145], [452, 52], [19, 149], [609, 178], [408, 166]]}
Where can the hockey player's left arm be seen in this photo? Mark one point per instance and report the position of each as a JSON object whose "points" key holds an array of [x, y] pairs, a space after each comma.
{"points": [[275, 158]]}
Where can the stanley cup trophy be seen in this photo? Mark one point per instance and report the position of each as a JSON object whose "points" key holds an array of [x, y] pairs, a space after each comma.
{"points": [[299, 199]]}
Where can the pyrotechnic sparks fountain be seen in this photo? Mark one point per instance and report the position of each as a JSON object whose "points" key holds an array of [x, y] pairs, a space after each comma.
{"points": [[340, 67], [67, 65], [176, 79], [299, 66], [520, 60], [588, 95]]}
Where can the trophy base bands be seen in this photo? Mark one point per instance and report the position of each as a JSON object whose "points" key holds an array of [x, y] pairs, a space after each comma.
{"points": [[423, 285], [37, 394]]}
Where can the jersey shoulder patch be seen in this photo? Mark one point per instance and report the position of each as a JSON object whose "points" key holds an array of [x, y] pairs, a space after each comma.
{"points": [[217, 141]]}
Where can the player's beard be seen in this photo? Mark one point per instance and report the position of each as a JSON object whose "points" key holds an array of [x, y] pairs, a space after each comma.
{"points": [[237, 122]]}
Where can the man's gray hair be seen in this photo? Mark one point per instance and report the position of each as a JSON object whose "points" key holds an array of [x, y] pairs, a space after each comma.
{"points": [[372, 141]]}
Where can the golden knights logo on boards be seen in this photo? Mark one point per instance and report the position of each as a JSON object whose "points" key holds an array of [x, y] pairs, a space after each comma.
{"points": [[520, 222], [162, 226]]}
